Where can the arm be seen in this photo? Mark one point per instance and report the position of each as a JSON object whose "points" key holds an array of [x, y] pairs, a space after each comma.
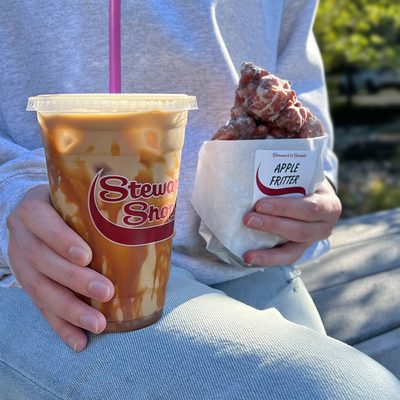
{"points": [[302, 221], [299, 61]]}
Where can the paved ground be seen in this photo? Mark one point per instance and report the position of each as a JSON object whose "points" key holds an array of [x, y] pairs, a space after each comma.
{"points": [[356, 285]]}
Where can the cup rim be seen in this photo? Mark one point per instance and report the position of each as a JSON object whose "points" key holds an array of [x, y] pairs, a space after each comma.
{"points": [[110, 102]]}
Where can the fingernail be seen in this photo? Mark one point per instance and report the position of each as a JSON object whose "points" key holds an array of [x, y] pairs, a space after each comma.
{"points": [[255, 222], [99, 290], [71, 342], [264, 207], [79, 255], [255, 262], [89, 322]]}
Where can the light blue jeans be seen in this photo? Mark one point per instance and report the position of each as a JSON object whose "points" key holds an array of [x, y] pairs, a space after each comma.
{"points": [[208, 345]]}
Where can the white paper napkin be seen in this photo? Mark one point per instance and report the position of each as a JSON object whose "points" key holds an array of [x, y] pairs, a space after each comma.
{"points": [[232, 175]]}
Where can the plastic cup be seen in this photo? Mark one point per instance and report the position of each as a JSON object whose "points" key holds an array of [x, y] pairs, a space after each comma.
{"points": [[113, 163]]}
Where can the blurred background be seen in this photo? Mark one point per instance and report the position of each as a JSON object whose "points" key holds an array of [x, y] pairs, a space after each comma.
{"points": [[360, 44]]}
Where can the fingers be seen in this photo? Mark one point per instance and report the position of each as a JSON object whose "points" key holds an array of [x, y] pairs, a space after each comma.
{"points": [[79, 279], [290, 229], [37, 213], [298, 219], [61, 302], [304, 209], [40, 253], [322, 206], [285, 254], [66, 314], [70, 334], [53, 297], [50, 263]]}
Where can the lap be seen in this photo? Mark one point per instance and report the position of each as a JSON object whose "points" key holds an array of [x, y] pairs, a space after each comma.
{"points": [[281, 288], [206, 346]]}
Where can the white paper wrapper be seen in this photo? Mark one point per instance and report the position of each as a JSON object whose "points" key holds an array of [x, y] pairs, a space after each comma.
{"points": [[226, 187]]}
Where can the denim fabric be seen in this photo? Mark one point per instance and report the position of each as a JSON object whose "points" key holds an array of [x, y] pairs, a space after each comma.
{"points": [[207, 346], [280, 288]]}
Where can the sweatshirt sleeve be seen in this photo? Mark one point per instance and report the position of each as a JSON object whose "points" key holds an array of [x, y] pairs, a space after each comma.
{"points": [[20, 170], [299, 61]]}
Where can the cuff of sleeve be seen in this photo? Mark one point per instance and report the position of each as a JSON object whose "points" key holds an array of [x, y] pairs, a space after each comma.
{"points": [[7, 279], [316, 250], [331, 182]]}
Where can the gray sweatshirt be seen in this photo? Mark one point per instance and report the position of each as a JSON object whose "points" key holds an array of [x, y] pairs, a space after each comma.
{"points": [[176, 46]]}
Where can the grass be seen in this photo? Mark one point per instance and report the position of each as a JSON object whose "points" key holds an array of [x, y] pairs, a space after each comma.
{"points": [[370, 163]]}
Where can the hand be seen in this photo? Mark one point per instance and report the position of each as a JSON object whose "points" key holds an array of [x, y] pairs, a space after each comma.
{"points": [[49, 259], [301, 221]]}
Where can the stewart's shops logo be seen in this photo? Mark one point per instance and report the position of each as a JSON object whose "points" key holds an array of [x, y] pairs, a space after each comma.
{"points": [[137, 212]]}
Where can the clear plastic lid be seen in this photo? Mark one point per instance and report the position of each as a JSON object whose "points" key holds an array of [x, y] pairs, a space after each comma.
{"points": [[110, 103]]}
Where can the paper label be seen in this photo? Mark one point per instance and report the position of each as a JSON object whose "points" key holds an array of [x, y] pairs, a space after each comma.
{"points": [[283, 173]]}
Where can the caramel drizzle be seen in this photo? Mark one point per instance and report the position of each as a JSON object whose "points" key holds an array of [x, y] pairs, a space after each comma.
{"points": [[77, 146]]}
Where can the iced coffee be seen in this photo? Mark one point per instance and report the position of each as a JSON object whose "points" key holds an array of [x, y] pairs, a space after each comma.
{"points": [[113, 164]]}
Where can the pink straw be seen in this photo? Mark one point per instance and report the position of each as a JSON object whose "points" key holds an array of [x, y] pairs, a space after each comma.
{"points": [[115, 46]]}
